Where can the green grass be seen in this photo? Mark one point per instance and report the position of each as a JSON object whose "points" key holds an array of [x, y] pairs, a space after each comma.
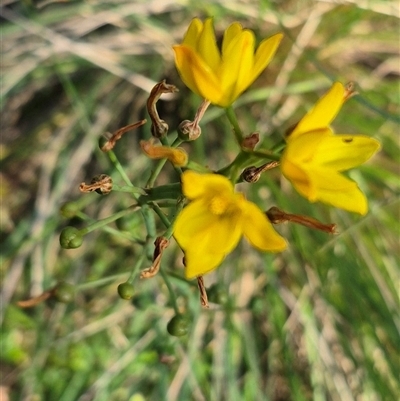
{"points": [[319, 321]]}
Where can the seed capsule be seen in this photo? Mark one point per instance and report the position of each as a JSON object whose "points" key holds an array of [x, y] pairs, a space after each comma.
{"points": [[70, 238], [64, 292], [126, 291], [178, 326]]}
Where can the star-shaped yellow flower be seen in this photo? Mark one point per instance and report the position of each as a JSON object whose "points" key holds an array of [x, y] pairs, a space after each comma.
{"points": [[221, 76], [314, 156], [212, 224]]}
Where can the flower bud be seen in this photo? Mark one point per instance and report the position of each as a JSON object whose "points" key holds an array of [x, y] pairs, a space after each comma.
{"points": [[102, 142], [125, 291], [70, 238], [69, 209], [64, 292], [217, 295], [178, 326]]}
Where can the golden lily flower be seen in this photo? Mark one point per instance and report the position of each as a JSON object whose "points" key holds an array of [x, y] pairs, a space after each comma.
{"points": [[221, 76], [211, 225], [314, 156]]}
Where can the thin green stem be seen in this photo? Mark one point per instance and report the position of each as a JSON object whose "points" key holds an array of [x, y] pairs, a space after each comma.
{"points": [[163, 192], [120, 169], [170, 290], [149, 221], [230, 113], [99, 282], [135, 269], [155, 173], [160, 164], [129, 188], [111, 230], [109, 219], [161, 214]]}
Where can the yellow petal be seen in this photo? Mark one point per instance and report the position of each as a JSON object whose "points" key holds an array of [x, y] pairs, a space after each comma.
{"points": [[259, 231], [196, 185], [303, 148], [199, 264], [207, 46], [205, 238], [342, 152], [196, 74], [324, 111], [337, 190], [193, 33], [229, 35], [299, 178], [239, 65], [264, 54]]}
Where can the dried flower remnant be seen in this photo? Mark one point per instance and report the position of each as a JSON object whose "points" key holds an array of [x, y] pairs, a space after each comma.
{"points": [[177, 156], [117, 135], [190, 130], [278, 216], [252, 174], [251, 141], [159, 127], [160, 244], [101, 183], [203, 292]]}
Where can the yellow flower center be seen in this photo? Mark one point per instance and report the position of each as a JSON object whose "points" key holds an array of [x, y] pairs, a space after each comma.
{"points": [[218, 205]]}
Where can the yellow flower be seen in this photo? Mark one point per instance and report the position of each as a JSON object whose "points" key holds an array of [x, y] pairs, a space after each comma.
{"points": [[221, 76], [314, 157], [211, 225]]}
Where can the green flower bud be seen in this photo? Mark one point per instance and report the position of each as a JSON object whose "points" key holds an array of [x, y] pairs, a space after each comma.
{"points": [[178, 326], [217, 295], [126, 290], [102, 141], [70, 238], [64, 292], [69, 209]]}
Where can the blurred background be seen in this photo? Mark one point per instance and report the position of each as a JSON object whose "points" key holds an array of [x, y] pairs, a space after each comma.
{"points": [[317, 322]]}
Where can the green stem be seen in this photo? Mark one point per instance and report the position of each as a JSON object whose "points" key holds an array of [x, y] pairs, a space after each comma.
{"points": [[170, 290], [198, 167], [161, 215], [177, 142], [99, 282], [155, 173], [235, 125], [109, 219], [129, 188], [266, 154], [120, 169], [110, 230], [160, 164], [137, 266], [163, 192], [149, 221]]}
